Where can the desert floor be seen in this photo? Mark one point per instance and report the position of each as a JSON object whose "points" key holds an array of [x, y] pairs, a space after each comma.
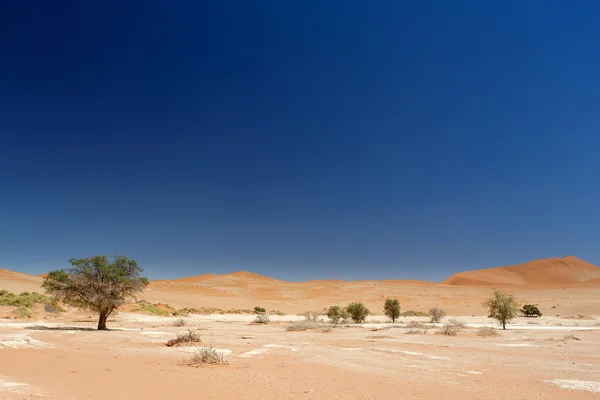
{"points": [[549, 358]]}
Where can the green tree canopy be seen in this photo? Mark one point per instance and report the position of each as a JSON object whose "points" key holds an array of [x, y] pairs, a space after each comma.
{"points": [[391, 309], [97, 284], [502, 306]]}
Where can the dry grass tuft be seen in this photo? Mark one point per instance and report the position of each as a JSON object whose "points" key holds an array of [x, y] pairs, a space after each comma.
{"points": [[179, 323], [487, 332], [571, 337], [458, 323], [207, 356], [449, 330], [305, 326], [416, 331], [184, 339]]}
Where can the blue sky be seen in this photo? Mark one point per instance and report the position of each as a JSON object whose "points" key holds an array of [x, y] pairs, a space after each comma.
{"points": [[300, 140]]}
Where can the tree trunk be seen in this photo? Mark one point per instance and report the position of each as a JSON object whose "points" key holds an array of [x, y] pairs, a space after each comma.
{"points": [[102, 320], [504, 325]]}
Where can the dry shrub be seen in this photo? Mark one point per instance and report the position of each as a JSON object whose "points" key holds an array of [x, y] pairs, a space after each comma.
{"points": [[416, 325], [305, 326], [187, 338], [486, 331], [179, 323], [458, 323], [261, 319], [416, 331], [314, 316], [436, 314], [449, 330], [207, 356], [571, 337]]}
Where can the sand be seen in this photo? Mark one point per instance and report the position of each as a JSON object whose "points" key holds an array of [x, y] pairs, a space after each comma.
{"points": [[553, 357]]}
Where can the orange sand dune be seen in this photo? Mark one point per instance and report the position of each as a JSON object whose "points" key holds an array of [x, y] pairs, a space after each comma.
{"points": [[550, 271], [193, 279]]}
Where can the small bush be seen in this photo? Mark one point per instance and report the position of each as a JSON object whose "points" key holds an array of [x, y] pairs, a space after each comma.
{"points": [[185, 339], [338, 315], [458, 323], [277, 312], [412, 313], [448, 330], [3, 292], [179, 323], [436, 314], [312, 316], [487, 332], [571, 337], [358, 312], [416, 331], [150, 308], [185, 312], [208, 355], [416, 325], [531, 310], [259, 310], [262, 319], [22, 312], [305, 326]]}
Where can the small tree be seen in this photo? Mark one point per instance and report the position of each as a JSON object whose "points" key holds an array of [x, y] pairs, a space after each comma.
{"points": [[391, 309], [97, 284], [531, 310], [436, 314], [337, 314], [259, 310], [502, 306], [358, 312]]}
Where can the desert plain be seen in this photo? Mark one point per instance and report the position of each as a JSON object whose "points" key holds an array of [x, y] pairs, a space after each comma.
{"points": [[557, 356]]}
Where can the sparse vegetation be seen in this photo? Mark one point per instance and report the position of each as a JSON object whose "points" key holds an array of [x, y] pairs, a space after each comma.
{"points": [[531, 310], [153, 309], [391, 309], [259, 310], [413, 331], [338, 315], [502, 307], [207, 356], [185, 339], [486, 331], [185, 312], [262, 319], [312, 316], [416, 325], [358, 312], [178, 323], [457, 322], [412, 313], [305, 326], [24, 299], [449, 330], [277, 312], [22, 312], [97, 284], [436, 315], [571, 337]]}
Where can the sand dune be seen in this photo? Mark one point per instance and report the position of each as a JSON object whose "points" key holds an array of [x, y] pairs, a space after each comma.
{"points": [[550, 271]]}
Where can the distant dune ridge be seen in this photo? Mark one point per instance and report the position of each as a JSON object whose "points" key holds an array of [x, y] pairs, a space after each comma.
{"points": [[548, 271]]}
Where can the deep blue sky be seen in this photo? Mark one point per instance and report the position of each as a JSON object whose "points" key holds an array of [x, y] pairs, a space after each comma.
{"points": [[299, 139]]}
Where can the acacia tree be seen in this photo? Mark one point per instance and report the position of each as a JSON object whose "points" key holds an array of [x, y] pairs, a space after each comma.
{"points": [[502, 306], [97, 284], [391, 308]]}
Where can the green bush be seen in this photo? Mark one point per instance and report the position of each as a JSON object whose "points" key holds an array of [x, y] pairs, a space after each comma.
{"points": [[358, 312], [531, 310], [25, 299], [391, 309], [22, 312], [338, 315], [259, 310], [150, 308]]}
